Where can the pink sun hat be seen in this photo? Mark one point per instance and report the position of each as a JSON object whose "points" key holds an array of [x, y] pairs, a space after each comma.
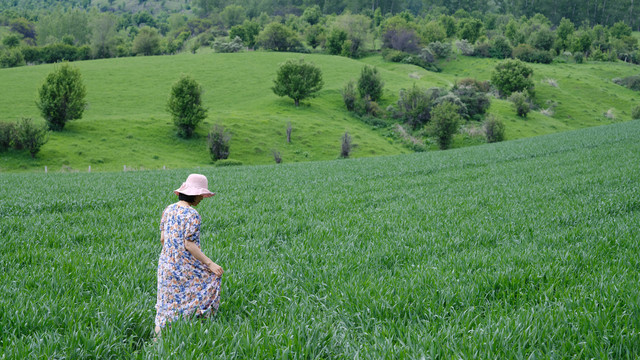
{"points": [[196, 184]]}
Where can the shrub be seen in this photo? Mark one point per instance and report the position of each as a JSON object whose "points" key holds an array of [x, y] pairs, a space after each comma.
{"points": [[62, 97], [512, 76], [31, 137], [278, 37], [520, 103], [500, 48], [185, 106], [298, 80], [11, 58], [483, 86], [370, 84], [631, 82], [346, 145], [335, 41], [349, 96], [7, 135], [218, 143], [493, 129], [578, 57], [31, 54], [445, 121], [465, 47], [482, 50], [530, 54], [475, 101], [364, 106], [440, 50], [147, 42], [232, 46], [405, 40], [414, 106], [58, 52], [277, 157], [635, 113], [228, 162]]}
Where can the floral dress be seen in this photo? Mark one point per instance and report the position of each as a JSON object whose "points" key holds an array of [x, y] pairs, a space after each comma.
{"points": [[185, 285]]}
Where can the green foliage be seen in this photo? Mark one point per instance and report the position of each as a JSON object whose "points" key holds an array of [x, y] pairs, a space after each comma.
{"points": [[218, 143], [314, 35], [228, 162], [147, 42], [476, 102], [512, 76], [335, 41], [11, 41], [433, 31], [578, 57], [248, 32], [414, 106], [62, 97], [635, 113], [11, 58], [445, 121], [312, 14], [232, 46], [349, 96], [370, 84], [298, 80], [500, 48], [346, 145], [23, 27], [30, 136], [543, 39], [530, 54], [620, 29], [440, 50], [185, 106], [470, 29], [7, 135], [631, 82], [493, 129], [232, 15], [278, 37], [520, 103]]}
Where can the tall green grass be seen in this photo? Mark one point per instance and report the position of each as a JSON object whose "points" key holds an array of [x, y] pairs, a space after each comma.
{"points": [[522, 249], [126, 122]]}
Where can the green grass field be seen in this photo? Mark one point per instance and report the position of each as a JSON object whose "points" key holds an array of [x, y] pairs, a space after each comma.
{"points": [[522, 249], [126, 122]]}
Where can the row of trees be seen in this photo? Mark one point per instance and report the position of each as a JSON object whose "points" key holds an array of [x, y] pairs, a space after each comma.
{"points": [[77, 34]]}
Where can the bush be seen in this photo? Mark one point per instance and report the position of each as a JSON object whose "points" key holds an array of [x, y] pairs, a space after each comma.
{"points": [[465, 47], [445, 121], [58, 52], [500, 48], [349, 96], [475, 101], [370, 84], [364, 106], [232, 46], [218, 143], [414, 106], [278, 37], [482, 50], [578, 57], [346, 145], [11, 58], [520, 103], [31, 137], [62, 97], [483, 86], [335, 41], [228, 162], [440, 50], [530, 54], [635, 113], [8, 135], [631, 82], [512, 76], [147, 42], [493, 129], [405, 40], [185, 106], [31, 54]]}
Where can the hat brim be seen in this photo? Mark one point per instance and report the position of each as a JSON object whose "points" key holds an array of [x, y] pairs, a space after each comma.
{"points": [[193, 191]]}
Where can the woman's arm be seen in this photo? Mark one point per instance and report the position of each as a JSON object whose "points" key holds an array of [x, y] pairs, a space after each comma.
{"points": [[198, 254], [162, 237]]}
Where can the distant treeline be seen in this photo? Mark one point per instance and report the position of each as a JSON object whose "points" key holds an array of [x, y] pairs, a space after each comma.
{"points": [[592, 12], [52, 35]]}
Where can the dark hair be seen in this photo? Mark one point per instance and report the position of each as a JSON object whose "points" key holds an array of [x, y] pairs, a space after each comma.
{"points": [[188, 198]]}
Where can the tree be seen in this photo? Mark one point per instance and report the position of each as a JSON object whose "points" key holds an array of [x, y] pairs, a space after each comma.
{"points": [[511, 76], [298, 80], [493, 129], [232, 15], [62, 97], [218, 143], [370, 84], [103, 36], [278, 37], [312, 14], [335, 41], [414, 105], [11, 41], [185, 106], [147, 42], [445, 120], [520, 104], [32, 137], [470, 29]]}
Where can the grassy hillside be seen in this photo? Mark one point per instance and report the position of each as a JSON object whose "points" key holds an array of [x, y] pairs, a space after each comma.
{"points": [[126, 122], [523, 249]]}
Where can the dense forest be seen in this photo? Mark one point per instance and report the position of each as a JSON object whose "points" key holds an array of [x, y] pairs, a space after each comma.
{"points": [[411, 31], [593, 12]]}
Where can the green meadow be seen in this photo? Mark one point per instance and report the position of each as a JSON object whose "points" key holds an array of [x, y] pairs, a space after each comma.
{"points": [[518, 250], [126, 122]]}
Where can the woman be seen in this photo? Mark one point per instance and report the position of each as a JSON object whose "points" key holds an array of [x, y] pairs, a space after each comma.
{"points": [[188, 281]]}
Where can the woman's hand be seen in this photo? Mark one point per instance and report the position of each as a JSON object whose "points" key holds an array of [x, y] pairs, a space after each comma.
{"points": [[216, 269]]}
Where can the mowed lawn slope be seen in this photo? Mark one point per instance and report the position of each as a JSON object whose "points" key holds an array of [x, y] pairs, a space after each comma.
{"points": [[523, 249], [126, 122]]}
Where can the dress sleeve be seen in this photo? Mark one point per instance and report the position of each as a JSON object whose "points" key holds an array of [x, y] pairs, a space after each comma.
{"points": [[192, 231]]}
